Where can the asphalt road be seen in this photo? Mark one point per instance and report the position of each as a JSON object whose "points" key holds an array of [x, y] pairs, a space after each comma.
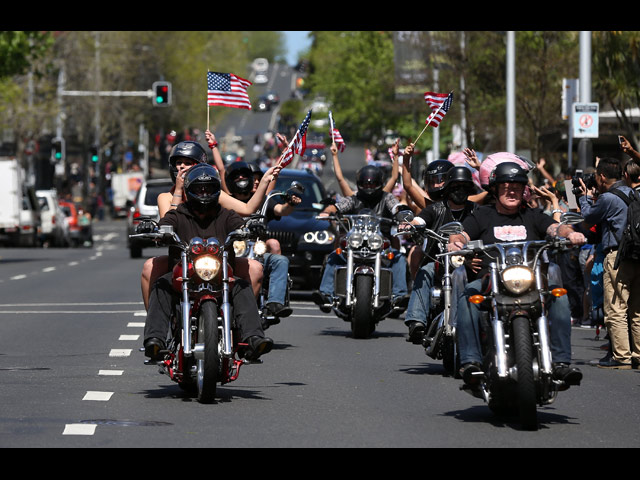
{"points": [[72, 375]]}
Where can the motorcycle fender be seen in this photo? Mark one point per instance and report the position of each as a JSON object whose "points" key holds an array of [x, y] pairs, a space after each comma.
{"points": [[363, 270]]}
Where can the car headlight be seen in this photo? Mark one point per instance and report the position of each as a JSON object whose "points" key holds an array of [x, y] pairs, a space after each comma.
{"points": [[355, 240], [259, 248], [517, 279], [206, 267], [375, 242], [239, 247], [323, 237], [456, 260]]}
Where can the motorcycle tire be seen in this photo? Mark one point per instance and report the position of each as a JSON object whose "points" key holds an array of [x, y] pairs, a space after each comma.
{"points": [[208, 368], [526, 387], [362, 315]]}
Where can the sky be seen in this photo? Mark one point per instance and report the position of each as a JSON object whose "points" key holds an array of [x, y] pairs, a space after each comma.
{"points": [[295, 42]]}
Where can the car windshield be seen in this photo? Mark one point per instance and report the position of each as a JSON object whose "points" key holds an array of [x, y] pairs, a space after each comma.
{"points": [[312, 189], [151, 196]]}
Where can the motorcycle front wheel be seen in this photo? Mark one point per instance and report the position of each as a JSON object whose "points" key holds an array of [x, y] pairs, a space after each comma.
{"points": [[208, 367], [362, 315], [526, 387]]}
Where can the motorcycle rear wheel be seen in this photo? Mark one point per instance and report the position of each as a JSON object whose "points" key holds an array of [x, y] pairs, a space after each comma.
{"points": [[208, 368], [362, 316], [526, 387]]}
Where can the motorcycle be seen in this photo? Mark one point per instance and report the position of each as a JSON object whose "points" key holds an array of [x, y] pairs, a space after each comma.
{"points": [[363, 288], [203, 348], [439, 340], [517, 368], [253, 246]]}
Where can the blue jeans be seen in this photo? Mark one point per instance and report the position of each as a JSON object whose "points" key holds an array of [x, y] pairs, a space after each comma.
{"points": [[398, 270], [276, 268], [420, 301], [559, 315]]}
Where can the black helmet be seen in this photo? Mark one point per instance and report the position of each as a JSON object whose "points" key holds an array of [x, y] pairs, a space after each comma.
{"points": [[239, 177], [435, 176], [458, 185], [508, 172], [256, 170], [369, 180], [202, 187], [187, 149]]}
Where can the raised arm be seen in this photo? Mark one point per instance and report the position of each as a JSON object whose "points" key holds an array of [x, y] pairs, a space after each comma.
{"points": [[337, 170]]}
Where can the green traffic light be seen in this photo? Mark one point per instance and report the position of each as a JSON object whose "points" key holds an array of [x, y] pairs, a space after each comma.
{"points": [[159, 99], [58, 155]]}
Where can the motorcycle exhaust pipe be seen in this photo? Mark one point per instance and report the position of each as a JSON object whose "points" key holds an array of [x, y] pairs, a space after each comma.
{"points": [[227, 342]]}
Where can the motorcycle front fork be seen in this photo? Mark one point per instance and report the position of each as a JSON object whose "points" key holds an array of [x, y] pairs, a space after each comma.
{"points": [[376, 280]]}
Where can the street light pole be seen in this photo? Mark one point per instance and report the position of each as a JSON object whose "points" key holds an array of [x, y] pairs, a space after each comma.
{"points": [[585, 148]]}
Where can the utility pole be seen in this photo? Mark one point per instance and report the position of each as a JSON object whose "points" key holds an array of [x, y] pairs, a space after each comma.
{"points": [[585, 147], [511, 92]]}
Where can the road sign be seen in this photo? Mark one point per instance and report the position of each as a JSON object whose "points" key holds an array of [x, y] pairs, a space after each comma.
{"points": [[585, 120]]}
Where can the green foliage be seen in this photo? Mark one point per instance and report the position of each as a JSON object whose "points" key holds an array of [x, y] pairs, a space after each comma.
{"points": [[18, 50]]}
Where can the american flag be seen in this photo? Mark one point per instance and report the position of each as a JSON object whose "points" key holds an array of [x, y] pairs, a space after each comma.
{"points": [[298, 144], [335, 134], [227, 90], [439, 103]]}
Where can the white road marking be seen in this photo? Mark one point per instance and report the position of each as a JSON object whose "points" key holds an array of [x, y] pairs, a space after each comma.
{"points": [[120, 352], [48, 269], [129, 337], [98, 396], [110, 372], [135, 324], [79, 429], [18, 277]]}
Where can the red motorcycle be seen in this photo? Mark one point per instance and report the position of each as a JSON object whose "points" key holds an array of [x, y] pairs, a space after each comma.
{"points": [[203, 349]]}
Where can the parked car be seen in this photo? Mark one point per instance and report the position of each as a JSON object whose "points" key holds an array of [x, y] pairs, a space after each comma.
{"points": [[80, 224], [305, 240], [145, 205], [55, 227]]}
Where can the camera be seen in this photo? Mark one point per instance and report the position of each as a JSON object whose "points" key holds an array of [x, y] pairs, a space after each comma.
{"points": [[589, 181]]}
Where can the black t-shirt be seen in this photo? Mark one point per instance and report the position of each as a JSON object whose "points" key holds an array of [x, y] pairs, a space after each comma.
{"points": [[487, 224]]}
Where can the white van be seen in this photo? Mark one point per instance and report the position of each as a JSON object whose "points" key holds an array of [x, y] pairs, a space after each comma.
{"points": [[55, 228]]}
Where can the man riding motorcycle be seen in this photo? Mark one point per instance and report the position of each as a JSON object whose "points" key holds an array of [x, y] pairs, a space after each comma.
{"points": [[370, 195], [239, 178], [454, 206], [202, 216], [510, 219]]}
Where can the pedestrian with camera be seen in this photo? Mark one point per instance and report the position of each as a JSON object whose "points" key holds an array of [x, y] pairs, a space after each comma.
{"points": [[609, 213]]}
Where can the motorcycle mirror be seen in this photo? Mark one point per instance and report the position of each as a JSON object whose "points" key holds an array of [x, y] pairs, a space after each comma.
{"points": [[571, 218], [297, 186], [451, 228], [404, 216]]}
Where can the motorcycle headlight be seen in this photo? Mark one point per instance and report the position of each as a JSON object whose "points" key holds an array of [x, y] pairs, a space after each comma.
{"points": [[239, 247], [260, 248], [206, 267], [517, 279], [376, 242], [456, 260], [355, 240], [322, 237]]}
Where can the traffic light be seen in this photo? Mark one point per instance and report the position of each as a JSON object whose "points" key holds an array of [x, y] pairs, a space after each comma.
{"points": [[94, 154], [57, 150], [161, 94]]}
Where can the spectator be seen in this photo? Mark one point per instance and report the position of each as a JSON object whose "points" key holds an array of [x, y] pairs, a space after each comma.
{"points": [[609, 213]]}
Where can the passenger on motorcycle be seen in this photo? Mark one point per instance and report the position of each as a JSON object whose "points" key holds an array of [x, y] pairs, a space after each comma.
{"points": [[202, 216], [454, 206], [240, 181], [370, 195], [509, 218]]}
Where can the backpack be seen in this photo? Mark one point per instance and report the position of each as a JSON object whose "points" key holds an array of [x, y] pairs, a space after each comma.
{"points": [[629, 247]]}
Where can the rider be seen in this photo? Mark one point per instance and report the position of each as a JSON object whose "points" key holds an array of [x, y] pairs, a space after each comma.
{"points": [[454, 206], [240, 182], [370, 195], [202, 216], [510, 219]]}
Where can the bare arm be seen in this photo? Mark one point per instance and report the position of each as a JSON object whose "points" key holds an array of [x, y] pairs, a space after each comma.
{"points": [[415, 193], [344, 186], [391, 183]]}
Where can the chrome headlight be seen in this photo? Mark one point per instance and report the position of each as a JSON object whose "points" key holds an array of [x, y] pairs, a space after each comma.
{"points": [[239, 247], [375, 242], [456, 260], [517, 279], [322, 237], [206, 267], [355, 240], [259, 248]]}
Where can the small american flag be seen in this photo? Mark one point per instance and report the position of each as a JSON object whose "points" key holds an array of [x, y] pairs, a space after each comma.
{"points": [[439, 103], [298, 144], [335, 135], [227, 90]]}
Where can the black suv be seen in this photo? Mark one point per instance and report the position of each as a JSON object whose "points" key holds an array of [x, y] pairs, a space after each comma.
{"points": [[303, 239]]}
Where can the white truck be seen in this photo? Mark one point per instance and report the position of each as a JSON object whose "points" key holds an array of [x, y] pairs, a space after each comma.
{"points": [[19, 209], [124, 187]]}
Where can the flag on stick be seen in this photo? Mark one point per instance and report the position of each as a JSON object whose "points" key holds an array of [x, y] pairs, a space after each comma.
{"points": [[335, 134], [439, 103], [227, 90], [297, 144]]}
